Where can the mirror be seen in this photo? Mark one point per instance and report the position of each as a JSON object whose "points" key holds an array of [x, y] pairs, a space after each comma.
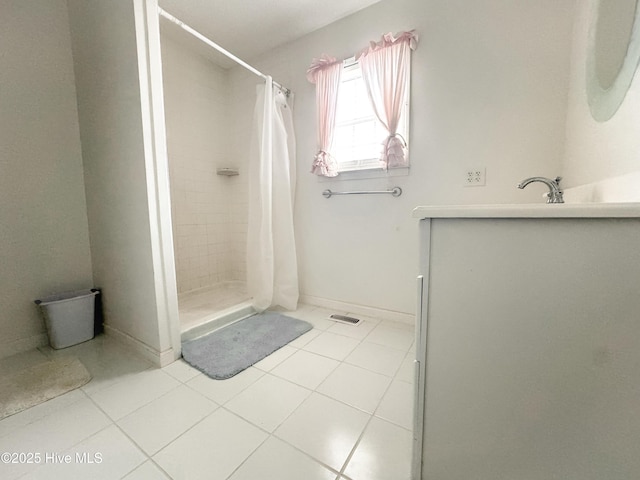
{"points": [[613, 54]]}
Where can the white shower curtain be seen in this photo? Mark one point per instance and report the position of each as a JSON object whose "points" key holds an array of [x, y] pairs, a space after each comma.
{"points": [[272, 268]]}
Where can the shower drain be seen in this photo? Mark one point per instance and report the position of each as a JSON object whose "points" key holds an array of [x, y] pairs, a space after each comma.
{"points": [[345, 319]]}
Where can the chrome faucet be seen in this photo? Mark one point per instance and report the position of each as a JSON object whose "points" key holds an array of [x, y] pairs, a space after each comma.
{"points": [[554, 195]]}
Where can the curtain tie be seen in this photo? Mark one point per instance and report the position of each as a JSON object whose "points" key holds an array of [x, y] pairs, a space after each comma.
{"points": [[394, 151], [324, 164]]}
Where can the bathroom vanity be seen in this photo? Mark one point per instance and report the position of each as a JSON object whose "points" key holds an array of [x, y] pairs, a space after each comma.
{"points": [[528, 351]]}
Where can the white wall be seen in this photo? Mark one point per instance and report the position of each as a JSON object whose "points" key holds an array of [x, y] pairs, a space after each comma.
{"points": [[599, 151], [209, 210], [44, 240], [489, 87], [113, 147]]}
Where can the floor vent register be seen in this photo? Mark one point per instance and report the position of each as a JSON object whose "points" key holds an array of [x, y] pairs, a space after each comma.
{"points": [[345, 319]]}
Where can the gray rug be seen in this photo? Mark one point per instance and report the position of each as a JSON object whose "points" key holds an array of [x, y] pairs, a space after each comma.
{"points": [[41, 382], [228, 351]]}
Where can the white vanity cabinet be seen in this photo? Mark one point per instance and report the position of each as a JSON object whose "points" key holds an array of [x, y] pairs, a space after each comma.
{"points": [[528, 352]]}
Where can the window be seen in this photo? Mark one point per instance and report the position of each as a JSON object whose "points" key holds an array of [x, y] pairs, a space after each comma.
{"points": [[342, 110], [358, 136]]}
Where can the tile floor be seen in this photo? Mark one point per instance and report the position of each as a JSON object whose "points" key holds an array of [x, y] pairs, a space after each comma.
{"points": [[335, 404]]}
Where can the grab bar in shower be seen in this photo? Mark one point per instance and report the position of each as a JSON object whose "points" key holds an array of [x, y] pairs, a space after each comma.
{"points": [[395, 191]]}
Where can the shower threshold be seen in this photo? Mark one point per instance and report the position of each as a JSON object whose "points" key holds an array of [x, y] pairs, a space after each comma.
{"points": [[218, 320]]}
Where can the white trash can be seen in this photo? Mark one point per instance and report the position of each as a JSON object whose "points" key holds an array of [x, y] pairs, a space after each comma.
{"points": [[69, 317]]}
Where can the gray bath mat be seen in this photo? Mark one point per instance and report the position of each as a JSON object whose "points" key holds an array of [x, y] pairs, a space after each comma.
{"points": [[39, 383], [228, 351]]}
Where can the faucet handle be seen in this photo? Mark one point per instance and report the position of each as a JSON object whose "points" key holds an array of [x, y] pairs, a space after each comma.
{"points": [[557, 180]]}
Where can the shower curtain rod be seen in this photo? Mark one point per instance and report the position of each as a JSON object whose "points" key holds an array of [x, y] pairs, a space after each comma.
{"points": [[217, 47]]}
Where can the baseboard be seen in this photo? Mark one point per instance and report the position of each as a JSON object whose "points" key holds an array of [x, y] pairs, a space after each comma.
{"points": [[159, 359], [365, 310], [23, 344]]}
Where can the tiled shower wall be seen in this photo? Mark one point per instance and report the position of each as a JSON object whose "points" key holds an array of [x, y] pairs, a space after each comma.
{"points": [[209, 211]]}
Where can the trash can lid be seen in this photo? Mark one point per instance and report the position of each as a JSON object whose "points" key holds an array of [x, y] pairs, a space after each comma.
{"points": [[66, 296]]}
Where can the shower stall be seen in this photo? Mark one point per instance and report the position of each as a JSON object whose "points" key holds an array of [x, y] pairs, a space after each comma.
{"points": [[209, 102]]}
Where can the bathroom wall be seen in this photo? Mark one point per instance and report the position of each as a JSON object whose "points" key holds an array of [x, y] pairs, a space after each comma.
{"points": [[209, 210], [44, 239], [116, 170], [489, 89], [600, 153]]}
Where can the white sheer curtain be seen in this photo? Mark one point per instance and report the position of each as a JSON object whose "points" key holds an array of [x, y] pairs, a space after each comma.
{"points": [[385, 71], [325, 73], [272, 269]]}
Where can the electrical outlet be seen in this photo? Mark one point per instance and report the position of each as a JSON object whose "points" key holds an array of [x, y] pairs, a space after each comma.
{"points": [[475, 177]]}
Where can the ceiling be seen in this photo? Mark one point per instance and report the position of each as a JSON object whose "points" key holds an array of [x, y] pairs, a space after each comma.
{"points": [[248, 28]]}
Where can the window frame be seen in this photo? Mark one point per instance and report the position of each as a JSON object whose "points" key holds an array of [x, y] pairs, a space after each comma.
{"points": [[371, 167]]}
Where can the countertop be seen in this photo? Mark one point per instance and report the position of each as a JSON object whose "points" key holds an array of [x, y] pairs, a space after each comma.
{"points": [[531, 210]]}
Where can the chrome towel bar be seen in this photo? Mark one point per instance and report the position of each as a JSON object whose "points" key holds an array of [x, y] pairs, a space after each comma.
{"points": [[395, 191]]}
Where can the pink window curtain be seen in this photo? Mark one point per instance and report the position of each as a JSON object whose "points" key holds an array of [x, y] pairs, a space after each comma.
{"points": [[325, 73], [385, 71]]}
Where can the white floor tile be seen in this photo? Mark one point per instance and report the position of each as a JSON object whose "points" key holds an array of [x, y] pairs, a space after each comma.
{"points": [[384, 453], [147, 471], [212, 449], [106, 359], [406, 373], [332, 345], [407, 327], [302, 340], [397, 404], [19, 420], [318, 317], [270, 361], [277, 460], [305, 368], [397, 336], [55, 432], [160, 422], [107, 455], [359, 331], [367, 318], [221, 391], [325, 429], [126, 396], [301, 310], [174, 414], [181, 371], [268, 402], [355, 386], [377, 358]]}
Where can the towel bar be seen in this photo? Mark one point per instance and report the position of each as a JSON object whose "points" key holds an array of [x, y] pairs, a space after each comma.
{"points": [[395, 191]]}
